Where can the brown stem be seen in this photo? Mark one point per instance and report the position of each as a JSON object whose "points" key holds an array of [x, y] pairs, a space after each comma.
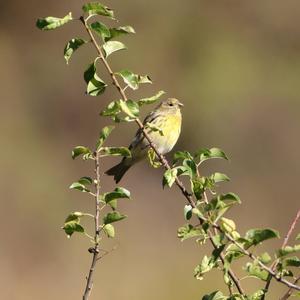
{"points": [[94, 250], [284, 243], [288, 294]]}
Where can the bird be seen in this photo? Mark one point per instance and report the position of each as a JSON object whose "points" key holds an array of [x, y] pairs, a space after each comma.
{"points": [[165, 121]]}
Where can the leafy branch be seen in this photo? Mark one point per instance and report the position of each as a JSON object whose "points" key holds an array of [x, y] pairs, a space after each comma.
{"points": [[203, 203]]}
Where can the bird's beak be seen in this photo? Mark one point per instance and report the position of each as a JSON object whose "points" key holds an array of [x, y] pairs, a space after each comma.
{"points": [[180, 104]]}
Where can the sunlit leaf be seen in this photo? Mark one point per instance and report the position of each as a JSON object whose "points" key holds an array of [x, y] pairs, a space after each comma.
{"points": [[129, 78], [109, 230], [113, 217], [104, 134], [114, 32], [288, 250], [112, 46], [81, 150], [205, 154], [96, 86], [256, 271], [115, 151], [256, 236], [187, 211], [219, 177], [217, 295], [130, 108], [98, 9], [79, 186], [50, 23], [189, 231], [152, 99], [71, 47], [169, 177], [112, 109], [101, 29], [72, 225]]}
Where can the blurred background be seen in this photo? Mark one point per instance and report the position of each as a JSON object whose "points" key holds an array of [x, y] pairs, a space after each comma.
{"points": [[236, 67]]}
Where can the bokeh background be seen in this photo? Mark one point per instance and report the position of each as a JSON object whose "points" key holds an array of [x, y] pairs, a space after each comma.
{"points": [[234, 64]]}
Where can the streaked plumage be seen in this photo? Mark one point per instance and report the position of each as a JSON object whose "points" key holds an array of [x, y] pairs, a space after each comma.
{"points": [[167, 117]]}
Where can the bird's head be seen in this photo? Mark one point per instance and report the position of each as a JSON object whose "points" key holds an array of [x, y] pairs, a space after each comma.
{"points": [[171, 104]]}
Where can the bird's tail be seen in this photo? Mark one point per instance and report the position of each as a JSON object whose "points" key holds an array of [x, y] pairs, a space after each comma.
{"points": [[118, 170]]}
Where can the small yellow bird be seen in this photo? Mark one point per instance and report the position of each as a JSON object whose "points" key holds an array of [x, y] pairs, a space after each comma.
{"points": [[167, 118]]}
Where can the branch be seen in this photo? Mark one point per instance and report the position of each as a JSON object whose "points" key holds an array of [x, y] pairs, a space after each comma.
{"points": [[285, 241], [255, 258], [94, 250], [161, 157], [289, 292]]}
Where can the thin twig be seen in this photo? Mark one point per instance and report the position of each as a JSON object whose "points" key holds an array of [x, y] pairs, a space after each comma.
{"points": [[161, 157], [284, 243], [94, 250], [288, 294]]}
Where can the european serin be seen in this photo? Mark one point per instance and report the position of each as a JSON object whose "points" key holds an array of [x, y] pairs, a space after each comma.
{"points": [[167, 118]]}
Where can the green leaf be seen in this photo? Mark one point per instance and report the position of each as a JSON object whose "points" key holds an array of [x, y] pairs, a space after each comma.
{"points": [[198, 187], [189, 231], [114, 32], [145, 79], [81, 150], [86, 180], [181, 155], [288, 250], [205, 154], [96, 86], [104, 134], [71, 47], [72, 225], [231, 198], [298, 237], [265, 258], [130, 108], [258, 295], [291, 262], [187, 211], [109, 230], [227, 225], [50, 23], [115, 151], [118, 193], [191, 167], [113, 217], [152, 99], [217, 295], [219, 177], [256, 236], [89, 72], [208, 263], [111, 47], [169, 177], [130, 79], [101, 29], [75, 216], [97, 8], [79, 186], [112, 109], [256, 271], [154, 162]]}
